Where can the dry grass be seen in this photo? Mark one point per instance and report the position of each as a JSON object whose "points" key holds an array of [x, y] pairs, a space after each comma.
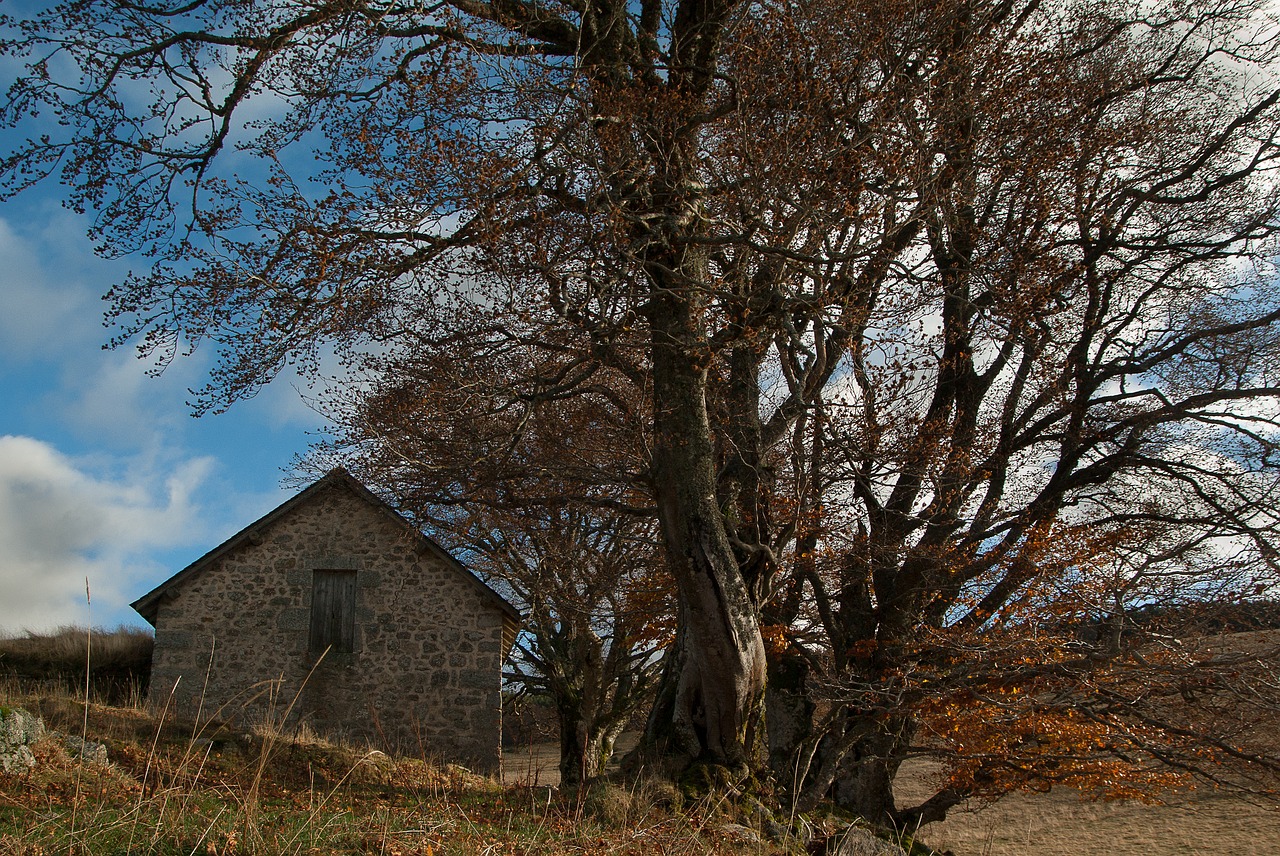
{"points": [[197, 789], [180, 788], [64, 649], [120, 662], [1061, 823]]}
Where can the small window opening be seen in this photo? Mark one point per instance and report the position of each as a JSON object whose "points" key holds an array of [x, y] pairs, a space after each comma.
{"points": [[333, 611]]}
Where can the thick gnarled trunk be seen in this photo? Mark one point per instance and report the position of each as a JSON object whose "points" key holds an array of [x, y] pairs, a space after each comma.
{"points": [[864, 784], [789, 712], [715, 701]]}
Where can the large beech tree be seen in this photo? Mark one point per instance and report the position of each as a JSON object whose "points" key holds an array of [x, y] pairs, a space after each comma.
{"points": [[969, 272]]}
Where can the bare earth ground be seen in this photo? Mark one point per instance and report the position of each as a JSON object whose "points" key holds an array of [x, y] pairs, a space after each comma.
{"points": [[1061, 824], [539, 763], [534, 764], [1202, 823]]}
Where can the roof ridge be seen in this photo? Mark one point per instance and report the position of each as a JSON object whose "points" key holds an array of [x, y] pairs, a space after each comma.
{"points": [[147, 605]]}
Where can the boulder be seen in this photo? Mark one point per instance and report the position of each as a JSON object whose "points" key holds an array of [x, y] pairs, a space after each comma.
{"points": [[856, 841], [85, 750], [742, 834], [18, 730]]}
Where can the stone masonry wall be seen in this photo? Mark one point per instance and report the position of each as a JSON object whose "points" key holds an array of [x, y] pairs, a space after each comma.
{"points": [[424, 676]]}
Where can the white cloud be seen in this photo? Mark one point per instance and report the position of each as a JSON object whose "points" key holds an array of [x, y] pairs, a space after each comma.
{"points": [[110, 398], [51, 335], [63, 520], [41, 312], [122, 486]]}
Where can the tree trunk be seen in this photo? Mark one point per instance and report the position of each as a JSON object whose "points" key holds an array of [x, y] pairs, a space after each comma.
{"points": [[588, 723], [586, 745], [576, 762], [664, 745], [789, 712], [721, 681], [864, 785]]}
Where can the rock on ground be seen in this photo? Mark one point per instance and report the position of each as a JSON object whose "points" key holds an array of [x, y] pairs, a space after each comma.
{"points": [[18, 730], [85, 750], [738, 832], [856, 841]]}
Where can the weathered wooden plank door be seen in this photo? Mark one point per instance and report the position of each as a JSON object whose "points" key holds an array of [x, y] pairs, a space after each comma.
{"points": [[333, 611]]}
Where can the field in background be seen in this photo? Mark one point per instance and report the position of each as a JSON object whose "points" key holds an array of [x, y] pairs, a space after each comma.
{"points": [[1197, 823]]}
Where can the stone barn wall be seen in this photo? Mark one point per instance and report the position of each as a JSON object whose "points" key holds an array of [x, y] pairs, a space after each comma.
{"points": [[423, 672]]}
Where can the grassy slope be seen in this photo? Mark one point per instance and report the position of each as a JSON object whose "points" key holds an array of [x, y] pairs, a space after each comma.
{"points": [[1201, 822], [168, 793], [121, 660], [1060, 824]]}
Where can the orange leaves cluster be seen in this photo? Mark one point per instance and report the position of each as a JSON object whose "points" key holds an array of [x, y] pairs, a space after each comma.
{"points": [[776, 638], [1032, 711], [1007, 741]]}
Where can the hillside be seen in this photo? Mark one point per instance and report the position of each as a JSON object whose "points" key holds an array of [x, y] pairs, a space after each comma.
{"points": [[169, 790]]}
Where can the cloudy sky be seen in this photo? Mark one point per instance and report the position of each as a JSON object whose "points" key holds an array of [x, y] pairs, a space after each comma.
{"points": [[104, 474]]}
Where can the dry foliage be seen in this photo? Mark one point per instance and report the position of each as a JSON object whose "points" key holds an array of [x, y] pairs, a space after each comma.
{"points": [[944, 330]]}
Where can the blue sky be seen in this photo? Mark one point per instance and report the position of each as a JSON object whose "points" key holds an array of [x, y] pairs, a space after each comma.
{"points": [[104, 474]]}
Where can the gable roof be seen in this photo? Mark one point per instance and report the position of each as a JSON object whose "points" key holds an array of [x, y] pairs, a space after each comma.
{"points": [[148, 605]]}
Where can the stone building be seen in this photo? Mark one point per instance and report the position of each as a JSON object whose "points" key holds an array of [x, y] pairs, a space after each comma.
{"points": [[335, 612]]}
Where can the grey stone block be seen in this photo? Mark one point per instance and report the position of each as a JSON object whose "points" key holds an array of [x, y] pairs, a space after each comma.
{"points": [[335, 563], [294, 620], [476, 679], [173, 638]]}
